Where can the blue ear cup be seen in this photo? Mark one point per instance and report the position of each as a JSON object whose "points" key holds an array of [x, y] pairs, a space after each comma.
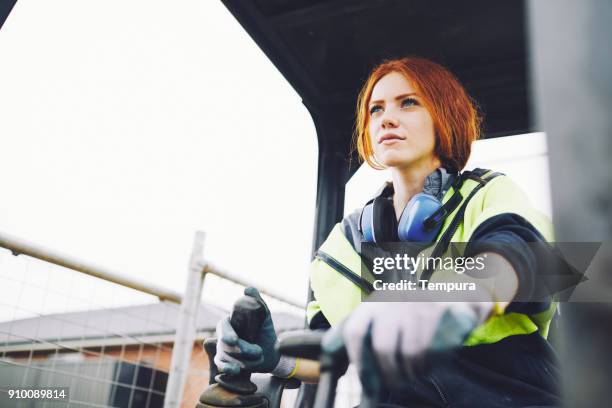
{"points": [[420, 221], [413, 225], [384, 222], [366, 223], [377, 222]]}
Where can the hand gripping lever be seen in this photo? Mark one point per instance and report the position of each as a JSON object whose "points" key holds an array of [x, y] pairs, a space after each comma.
{"points": [[229, 390], [246, 319]]}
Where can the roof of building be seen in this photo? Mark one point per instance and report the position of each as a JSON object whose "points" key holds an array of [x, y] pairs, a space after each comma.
{"points": [[149, 323]]}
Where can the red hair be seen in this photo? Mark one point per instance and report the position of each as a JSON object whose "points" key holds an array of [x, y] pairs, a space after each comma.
{"points": [[455, 116]]}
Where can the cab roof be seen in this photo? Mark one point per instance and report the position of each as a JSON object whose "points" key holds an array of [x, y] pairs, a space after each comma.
{"points": [[326, 48]]}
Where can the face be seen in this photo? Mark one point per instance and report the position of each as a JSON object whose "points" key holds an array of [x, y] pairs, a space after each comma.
{"points": [[401, 128]]}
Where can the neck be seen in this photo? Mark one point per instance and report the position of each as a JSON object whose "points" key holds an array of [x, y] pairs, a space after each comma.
{"points": [[409, 181]]}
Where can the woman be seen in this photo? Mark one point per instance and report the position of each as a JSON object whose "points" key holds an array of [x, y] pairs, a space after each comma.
{"points": [[414, 118]]}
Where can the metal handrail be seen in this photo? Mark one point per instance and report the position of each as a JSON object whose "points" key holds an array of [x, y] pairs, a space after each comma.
{"points": [[20, 246], [210, 268]]}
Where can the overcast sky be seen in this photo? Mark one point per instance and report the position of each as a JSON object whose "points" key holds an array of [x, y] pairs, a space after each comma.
{"points": [[128, 125]]}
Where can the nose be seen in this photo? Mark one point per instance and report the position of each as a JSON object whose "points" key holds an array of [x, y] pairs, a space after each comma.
{"points": [[389, 122]]}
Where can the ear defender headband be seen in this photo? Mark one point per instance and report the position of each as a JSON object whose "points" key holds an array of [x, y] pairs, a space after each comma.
{"points": [[420, 221]]}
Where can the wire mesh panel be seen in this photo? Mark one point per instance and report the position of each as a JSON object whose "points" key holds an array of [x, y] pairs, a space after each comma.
{"points": [[108, 344]]}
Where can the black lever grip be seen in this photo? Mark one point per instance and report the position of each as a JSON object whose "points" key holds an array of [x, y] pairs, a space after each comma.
{"points": [[301, 343], [247, 317]]}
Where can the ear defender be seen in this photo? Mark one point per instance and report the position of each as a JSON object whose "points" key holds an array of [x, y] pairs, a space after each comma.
{"points": [[420, 221], [385, 223], [377, 222], [413, 225]]}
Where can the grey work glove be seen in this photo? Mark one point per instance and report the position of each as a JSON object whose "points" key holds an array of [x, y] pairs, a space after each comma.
{"points": [[235, 354], [387, 338]]}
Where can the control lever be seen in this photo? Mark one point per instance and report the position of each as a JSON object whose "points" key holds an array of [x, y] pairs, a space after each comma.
{"points": [[247, 317], [236, 390]]}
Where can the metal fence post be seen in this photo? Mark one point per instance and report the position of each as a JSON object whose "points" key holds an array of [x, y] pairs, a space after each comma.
{"points": [[186, 326]]}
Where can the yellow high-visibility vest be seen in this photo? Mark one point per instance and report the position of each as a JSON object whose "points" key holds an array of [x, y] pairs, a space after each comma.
{"points": [[336, 296]]}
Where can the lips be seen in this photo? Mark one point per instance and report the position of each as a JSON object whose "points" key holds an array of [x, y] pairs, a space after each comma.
{"points": [[389, 137]]}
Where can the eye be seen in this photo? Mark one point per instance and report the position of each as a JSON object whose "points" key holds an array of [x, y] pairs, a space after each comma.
{"points": [[374, 109], [409, 102]]}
